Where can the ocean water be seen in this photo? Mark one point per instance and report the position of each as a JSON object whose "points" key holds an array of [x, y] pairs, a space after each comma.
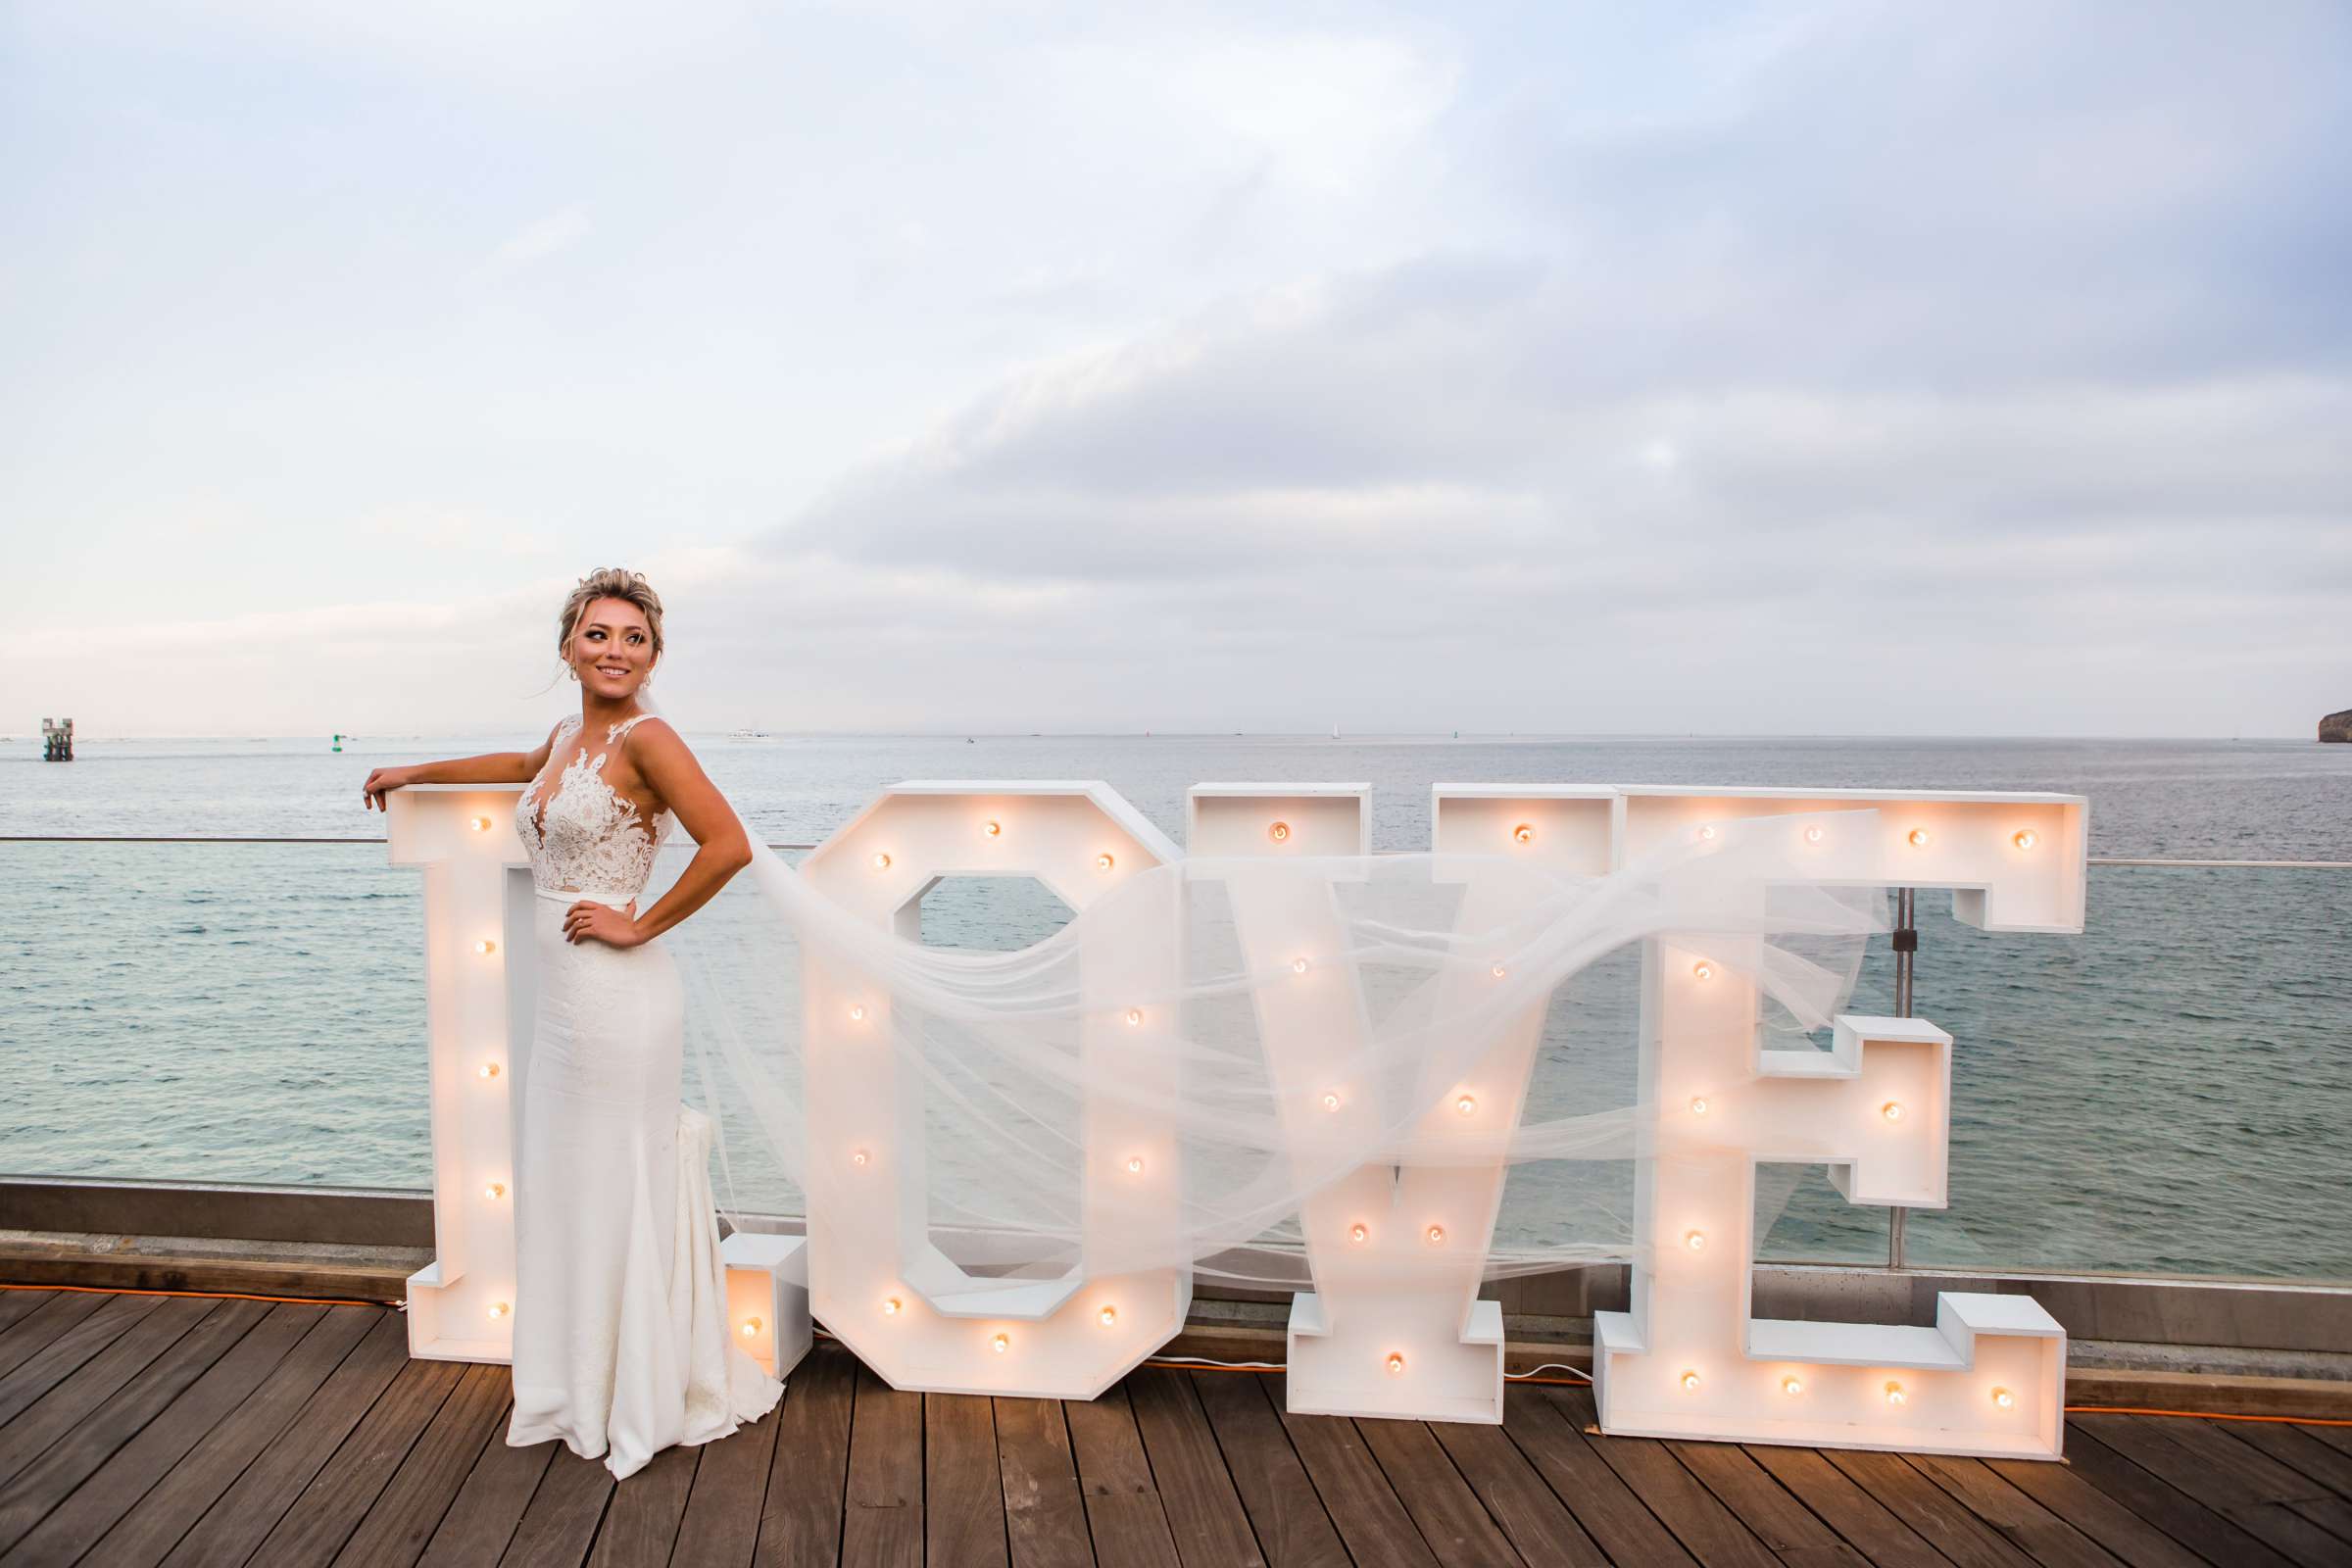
{"points": [[2169, 1092]]}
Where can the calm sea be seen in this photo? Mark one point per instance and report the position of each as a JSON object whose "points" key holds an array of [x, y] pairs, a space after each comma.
{"points": [[2169, 1092]]}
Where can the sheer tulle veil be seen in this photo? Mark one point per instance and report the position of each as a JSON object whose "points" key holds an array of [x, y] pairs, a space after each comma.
{"points": [[990, 1051]]}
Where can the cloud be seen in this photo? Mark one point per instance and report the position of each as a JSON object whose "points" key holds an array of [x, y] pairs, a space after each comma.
{"points": [[536, 242]]}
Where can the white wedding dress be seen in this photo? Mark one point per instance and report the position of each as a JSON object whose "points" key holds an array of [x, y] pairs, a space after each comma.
{"points": [[620, 1324]]}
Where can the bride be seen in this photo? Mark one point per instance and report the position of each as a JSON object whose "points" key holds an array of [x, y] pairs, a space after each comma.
{"points": [[621, 1343]]}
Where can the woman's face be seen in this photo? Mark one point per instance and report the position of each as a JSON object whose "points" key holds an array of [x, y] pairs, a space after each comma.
{"points": [[611, 648]]}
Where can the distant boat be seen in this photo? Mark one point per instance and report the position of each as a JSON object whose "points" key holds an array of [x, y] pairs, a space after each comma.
{"points": [[1334, 732]]}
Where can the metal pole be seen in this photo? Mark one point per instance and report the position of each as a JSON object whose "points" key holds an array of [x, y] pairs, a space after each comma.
{"points": [[1906, 946]]}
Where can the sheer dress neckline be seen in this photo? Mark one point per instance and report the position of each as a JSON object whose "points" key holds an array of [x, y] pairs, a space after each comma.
{"points": [[581, 835]]}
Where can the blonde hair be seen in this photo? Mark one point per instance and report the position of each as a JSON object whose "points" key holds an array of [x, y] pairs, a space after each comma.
{"points": [[609, 582]]}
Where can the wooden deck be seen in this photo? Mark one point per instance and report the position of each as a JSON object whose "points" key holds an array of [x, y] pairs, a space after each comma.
{"points": [[184, 1430]]}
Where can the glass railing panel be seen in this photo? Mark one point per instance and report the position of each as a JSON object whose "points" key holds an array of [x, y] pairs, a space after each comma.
{"points": [[214, 1012], [2169, 1092]]}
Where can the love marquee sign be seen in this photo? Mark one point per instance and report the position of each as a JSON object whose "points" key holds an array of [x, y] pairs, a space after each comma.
{"points": [[1394, 1326]]}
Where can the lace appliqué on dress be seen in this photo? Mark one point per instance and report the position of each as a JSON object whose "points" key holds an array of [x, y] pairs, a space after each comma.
{"points": [[588, 838]]}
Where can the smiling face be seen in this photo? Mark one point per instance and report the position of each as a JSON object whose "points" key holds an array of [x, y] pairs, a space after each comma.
{"points": [[611, 648]]}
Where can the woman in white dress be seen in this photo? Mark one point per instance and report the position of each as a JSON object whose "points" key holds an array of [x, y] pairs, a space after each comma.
{"points": [[621, 1342]]}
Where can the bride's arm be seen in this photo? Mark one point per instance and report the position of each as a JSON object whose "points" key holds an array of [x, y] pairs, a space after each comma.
{"points": [[662, 759], [491, 768]]}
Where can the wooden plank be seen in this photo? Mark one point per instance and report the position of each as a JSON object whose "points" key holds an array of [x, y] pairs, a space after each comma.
{"points": [[2163, 1505], [799, 1523], [2338, 1434], [641, 1523], [1535, 1522], [17, 1301], [721, 1526], [123, 1477], [45, 1368], [2062, 1489], [1552, 1439], [2244, 1485], [234, 1525], [480, 1524], [46, 1422], [1946, 1524], [1847, 1509], [1045, 1514], [1707, 1529], [1285, 1510], [1123, 1509], [394, 1530], [1355, 1492], [882, 1521], [1204, 1515], [963, 1494], [142, 1536], [56, 1314], [339, 1495], [2032, 1529], [1454, 1524], [90, 1442], [557, 1527], [2298, 1450], [1772, 1513]]}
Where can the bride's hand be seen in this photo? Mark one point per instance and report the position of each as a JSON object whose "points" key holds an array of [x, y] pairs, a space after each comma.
{"points": [[383, 778], [591, 921]]}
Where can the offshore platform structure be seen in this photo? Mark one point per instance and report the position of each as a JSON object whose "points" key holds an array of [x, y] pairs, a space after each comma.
{"points": [[57, 740]]}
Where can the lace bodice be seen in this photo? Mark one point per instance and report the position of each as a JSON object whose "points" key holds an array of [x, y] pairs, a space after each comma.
{"points": [[586, 838]]}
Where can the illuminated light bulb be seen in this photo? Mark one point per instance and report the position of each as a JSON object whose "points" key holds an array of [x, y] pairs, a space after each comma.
{"points": [[1135, 1017], [1698, 1104], [1000, 1343], [480, 825], [2026, 837], [1697, 1241], [2004, 1398], [1793, 1386], [857, 1012], [1499, 972], [750, 1328], [1524, 833], [1359, 1233], [1278, 832], [1396, 1364], [1435, 1235], [489, 1069], [495, 1189], [1109, 1317], [1814, 835], [892, 1307], [1706, 832], [992, 829], [1466, 1105], [1894, 1395], [860, 1159], [1104, 863], [1689, 1383], [485, 945], [1919, 838], [881, 862], [1135, 1165], [1702, 970], [1892, 1111], [1331, 1102], [1298, 966], [499, 1309]]}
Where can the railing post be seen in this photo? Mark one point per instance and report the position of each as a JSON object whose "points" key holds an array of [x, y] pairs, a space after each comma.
{"points": [[1906, 947]]}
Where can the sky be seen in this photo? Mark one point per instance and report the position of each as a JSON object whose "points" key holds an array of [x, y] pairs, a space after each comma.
{"points": [[1815, 368]]}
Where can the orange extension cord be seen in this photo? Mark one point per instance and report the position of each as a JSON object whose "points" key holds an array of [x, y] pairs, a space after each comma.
{"points": [[1190, 1366]]}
